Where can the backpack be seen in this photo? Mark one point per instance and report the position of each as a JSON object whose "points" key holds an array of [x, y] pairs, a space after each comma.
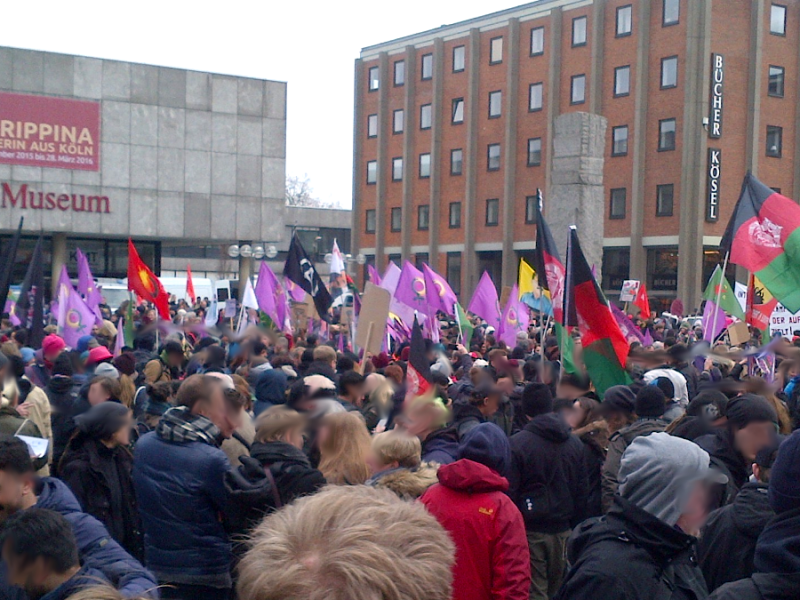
{"points": [[252, 494]]}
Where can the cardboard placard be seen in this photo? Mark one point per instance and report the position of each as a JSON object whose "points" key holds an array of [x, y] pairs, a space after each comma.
{"points": [[372, 319], [630, 287], [230, 308], [738, 333], [300, 315], [346, 316]]}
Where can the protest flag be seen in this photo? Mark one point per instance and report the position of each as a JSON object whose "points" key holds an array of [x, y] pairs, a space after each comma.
{"points": [[75, 318], [642, 302], [485, 302], [514, 319], [412, 291], [145, 283], [549, 268], [30, 304], [439, 293], [525, 279], [190, 293], [418, 372], [8, 258], [718, 286], [300, 270]]}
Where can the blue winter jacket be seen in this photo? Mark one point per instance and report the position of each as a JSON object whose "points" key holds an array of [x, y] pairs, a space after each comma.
{"points": [[181, 495]]}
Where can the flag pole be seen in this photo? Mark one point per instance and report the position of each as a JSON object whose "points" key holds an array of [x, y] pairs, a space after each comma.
{"points": [[719, 292]]}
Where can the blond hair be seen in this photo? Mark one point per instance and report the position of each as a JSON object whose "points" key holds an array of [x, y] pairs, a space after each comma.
{"points": [[127, 390], [348, 543], [101, 591], [432, 405], [397, 446], [343, 453], [275, 422], [324, 354]]}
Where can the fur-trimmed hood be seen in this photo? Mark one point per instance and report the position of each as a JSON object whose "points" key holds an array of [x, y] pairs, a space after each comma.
{"points": [[409, 484]]}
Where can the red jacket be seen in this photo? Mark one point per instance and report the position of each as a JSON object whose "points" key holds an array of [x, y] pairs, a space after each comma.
{"points": [[492, 558]]}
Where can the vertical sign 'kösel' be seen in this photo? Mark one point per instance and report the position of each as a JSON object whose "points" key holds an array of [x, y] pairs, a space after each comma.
{"points": [[712, 200], [717, 80]]}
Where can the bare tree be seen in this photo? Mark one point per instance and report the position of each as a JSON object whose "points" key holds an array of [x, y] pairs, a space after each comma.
{"points": [[300, 193]]}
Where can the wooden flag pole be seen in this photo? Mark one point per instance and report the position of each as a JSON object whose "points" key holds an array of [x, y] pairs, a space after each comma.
{"points": [[366, 348]]}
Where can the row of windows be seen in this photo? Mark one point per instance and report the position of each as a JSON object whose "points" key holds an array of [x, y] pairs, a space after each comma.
{"points": [[667, 129], [670, 16], [665, 199]]}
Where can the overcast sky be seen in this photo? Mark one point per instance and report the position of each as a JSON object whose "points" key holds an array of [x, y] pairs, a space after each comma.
{"points": [[311, 44]]}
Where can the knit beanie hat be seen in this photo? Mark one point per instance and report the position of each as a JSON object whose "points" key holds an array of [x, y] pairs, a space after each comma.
{"points": [[52, 344], [537, 399], [103, 420], [658, 471], [125, 363], [784, 479], [488, 445], [619, 398], [750, 408], [650, 402]]}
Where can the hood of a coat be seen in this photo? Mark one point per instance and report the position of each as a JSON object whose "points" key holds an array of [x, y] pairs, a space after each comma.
{"points": [[469, 476], [270, 453], [550, 427], [720, 446], [53, 494], [271, 386], [778, 547], [409, 483], [751, 509], [60, 384]]}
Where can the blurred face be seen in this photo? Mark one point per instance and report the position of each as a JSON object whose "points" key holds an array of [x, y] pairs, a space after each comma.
{"points": [[123, 436], [175, 359], [232, 421], [16, 493], [97, 394], [29, 575], [295, 438], [576, 415], [355, 392], [751, 439], [696, 510], [214, 409], [419, 421], [375, 465]]}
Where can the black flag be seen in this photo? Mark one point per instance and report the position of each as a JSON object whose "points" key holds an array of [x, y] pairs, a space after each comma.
{"points": [[300, 269], [418, 370], [30, 305], [7, 261]]}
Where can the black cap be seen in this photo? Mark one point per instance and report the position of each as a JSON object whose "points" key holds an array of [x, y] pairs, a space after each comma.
{"points": [[173, 347], [650, 402], [619, 398], [750, 408]]}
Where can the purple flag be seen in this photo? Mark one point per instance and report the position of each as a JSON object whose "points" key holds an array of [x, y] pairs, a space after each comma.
{"points": [[629, 330], [485, 303], [389, 282], [297, 293], [514, 319], [63, 283], [647, 341], [75, 319], [374, 277], [10, 308], [440, 294], [411, 289], [119, 343], [265, 294], [87, 286], [713, 321]]}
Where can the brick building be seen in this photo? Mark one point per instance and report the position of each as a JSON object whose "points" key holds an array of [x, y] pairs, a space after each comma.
{"points": [[454, 129]]}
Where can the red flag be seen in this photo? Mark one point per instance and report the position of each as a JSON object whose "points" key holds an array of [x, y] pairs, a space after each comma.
{"points": [[642, 302], [144, 282], [190, 285]]}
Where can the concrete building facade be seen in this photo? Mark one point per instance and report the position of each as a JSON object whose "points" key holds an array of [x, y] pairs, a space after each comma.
{"points": [[454, 131], [171, 157]]}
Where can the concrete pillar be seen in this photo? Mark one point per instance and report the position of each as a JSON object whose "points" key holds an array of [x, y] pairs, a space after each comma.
{"points": [[58, 252], [472, 163], [245, 271], [577, 194]]}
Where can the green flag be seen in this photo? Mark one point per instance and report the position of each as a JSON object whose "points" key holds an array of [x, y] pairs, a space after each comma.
{"points": [[128, 327], [727, 299], [464, 325]]}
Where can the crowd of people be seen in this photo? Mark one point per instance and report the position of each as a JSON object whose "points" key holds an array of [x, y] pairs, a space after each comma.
{"points": [[202, 464]]}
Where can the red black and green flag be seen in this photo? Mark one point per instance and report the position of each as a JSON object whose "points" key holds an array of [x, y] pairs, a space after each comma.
{"points": [[605, 349], [418, 371], [763, 236]]}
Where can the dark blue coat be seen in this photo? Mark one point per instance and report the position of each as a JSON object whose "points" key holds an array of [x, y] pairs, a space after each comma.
{"points": [[181, 495], [97, 548]]}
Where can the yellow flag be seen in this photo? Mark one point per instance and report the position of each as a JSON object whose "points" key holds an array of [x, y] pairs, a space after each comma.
{"points": [[526, 275]]}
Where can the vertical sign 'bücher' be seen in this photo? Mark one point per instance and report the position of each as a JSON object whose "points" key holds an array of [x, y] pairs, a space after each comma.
{"points": [[715, 109]]}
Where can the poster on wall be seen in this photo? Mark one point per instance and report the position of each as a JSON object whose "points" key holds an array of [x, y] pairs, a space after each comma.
{"points": [[782, 322], [42, 131]]}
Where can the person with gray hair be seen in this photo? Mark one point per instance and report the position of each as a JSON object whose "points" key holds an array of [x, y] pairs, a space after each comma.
{"points": [[644, 546]]}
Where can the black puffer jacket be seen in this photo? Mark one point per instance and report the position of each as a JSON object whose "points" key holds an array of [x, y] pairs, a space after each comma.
{"points": [[631, 555], [727, 459], [777, 562], [62, 398], [291, 469], [548, 479], [728, 543]]}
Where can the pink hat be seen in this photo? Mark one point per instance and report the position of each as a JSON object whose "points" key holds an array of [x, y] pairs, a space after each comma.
{"points": [[52, 344], [98, 355]]}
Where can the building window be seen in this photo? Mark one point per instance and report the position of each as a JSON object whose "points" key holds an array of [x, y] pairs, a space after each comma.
{"points": [[579, 31], [776, 81], [537, 41], [535, 97], [774, 141], [372, 172], [374, 78], [671, 14], [397, 219], [458, 110], [423, 217], [619, 141], [369, 221], [617, 204], [624, 20], [492, 212], [397, 169], [493, 157], [427, 67], [372, 126], [459, 59], [398, 119], [666, 134], [456, 161], [664, 200], [622, 81], [425, 116], [777, 20], [496, 51], [669, 72], [534, 152], [454, 216], [530, 209], [424, 165], [578, 89], [454, 275], [399, 73], [495, 104]]}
